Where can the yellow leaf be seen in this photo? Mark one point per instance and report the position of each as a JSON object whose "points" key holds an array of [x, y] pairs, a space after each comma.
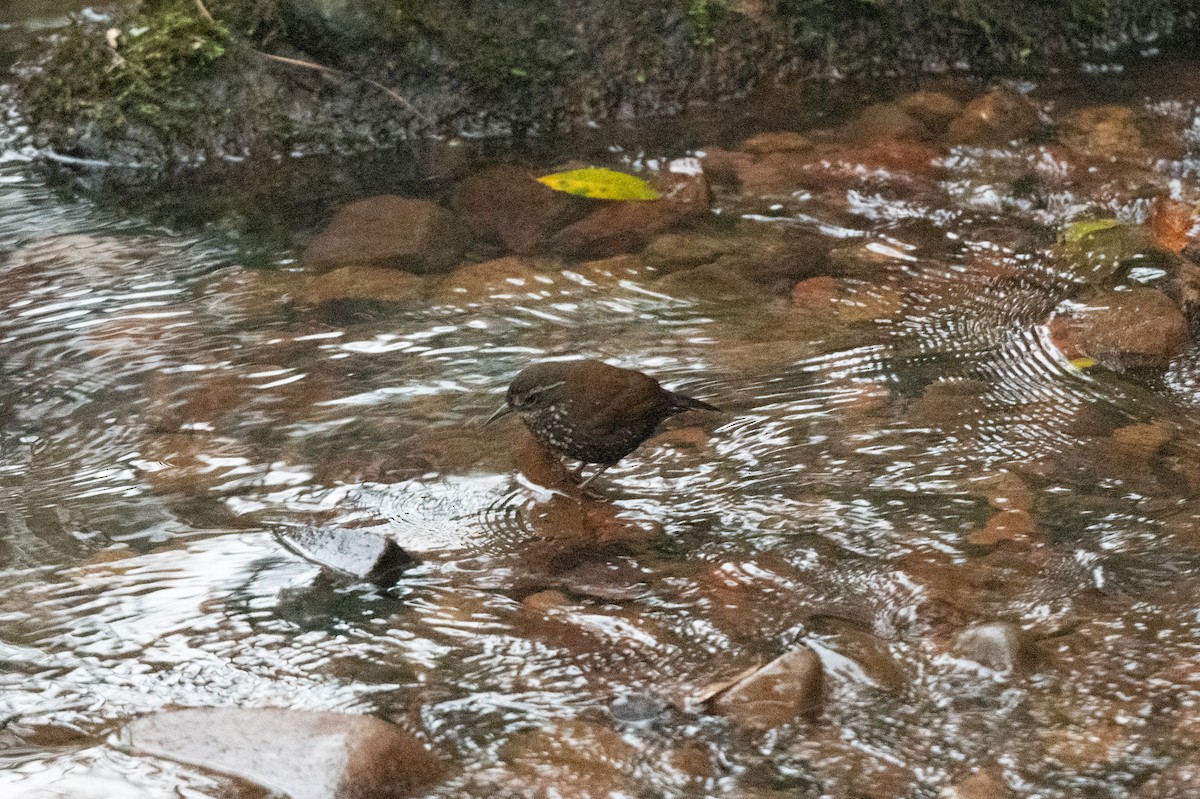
{"points": [[600, 184], [1083, 363], [1081, 230]]}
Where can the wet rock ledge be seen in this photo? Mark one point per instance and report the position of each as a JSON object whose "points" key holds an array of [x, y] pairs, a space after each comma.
{"points": [[164, 82]]}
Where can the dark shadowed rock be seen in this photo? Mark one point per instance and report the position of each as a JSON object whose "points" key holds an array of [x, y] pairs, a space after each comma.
{"points": [[505, 205], [1102, 131], [789, 688], [767, 173], [623, 226], [999, 646], [417, 235], [882, 121], [300, 754], [361, 554], [636, 708], [999, 116], [722, 166], [933, 109]]}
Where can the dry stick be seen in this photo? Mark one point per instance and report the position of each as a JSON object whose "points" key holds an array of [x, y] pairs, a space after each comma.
{"points": [[204, 11], [296, 62]]}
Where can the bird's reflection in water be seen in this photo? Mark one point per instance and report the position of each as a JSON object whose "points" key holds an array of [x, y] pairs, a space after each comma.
{"points": [[579, 543]]}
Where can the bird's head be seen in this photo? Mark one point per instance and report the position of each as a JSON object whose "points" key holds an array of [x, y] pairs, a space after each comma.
{"points": [[530, 390]]}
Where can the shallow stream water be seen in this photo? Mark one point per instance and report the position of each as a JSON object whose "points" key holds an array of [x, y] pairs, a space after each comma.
{"points": [[165, 425]]}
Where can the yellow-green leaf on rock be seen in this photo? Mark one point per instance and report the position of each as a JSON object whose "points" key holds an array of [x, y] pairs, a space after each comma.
{"points": [[1081, 230], [600, 184]]}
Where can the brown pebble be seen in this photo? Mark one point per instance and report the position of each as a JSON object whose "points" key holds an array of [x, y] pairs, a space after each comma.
{"points": [[788, 689]]}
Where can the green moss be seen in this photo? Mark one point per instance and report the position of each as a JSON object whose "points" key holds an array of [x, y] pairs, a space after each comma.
{"points": [[863, 36], [146, 78], [511, 63], [707, 19]]}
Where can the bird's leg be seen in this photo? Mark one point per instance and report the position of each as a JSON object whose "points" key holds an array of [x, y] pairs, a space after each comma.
{"points": [[577, 472], [595, 474]]}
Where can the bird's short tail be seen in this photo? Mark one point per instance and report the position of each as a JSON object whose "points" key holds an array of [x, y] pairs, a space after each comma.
{"points": [[683, 403]]}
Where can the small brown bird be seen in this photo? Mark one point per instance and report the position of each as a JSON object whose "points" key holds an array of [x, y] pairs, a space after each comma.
{"points": [[590, 411]]}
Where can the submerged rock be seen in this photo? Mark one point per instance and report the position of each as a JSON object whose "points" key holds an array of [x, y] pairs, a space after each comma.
{"points": [[788, 689], [417, 235], [783, 141], [769, 173], [622, 226], [882, 121], [1007, 525], [847, 769], [249, 295], [870, 655], [1137, 327], [999, 646], [364, 283], [983, 784], [816, 294], [714, 282], [998, 117], [672, 251], [300, 754], [499, 277], [506, 205], [1104, 252], [1172, 224], [1004, 490], [932, 108], [609, 271], [572, 759], [1102, 131]]}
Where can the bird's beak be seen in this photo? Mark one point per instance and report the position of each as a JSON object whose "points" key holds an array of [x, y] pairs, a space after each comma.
{"points": [[503, 410]]}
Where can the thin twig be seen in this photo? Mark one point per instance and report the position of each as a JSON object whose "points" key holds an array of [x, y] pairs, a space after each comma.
{"points": [[203, 9], [297, 62]]}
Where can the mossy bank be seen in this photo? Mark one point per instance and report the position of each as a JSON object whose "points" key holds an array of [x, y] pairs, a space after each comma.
{"points": [[177, 81]]}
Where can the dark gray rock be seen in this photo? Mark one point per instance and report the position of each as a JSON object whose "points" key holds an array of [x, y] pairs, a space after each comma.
{"points": [[360, 554]]}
